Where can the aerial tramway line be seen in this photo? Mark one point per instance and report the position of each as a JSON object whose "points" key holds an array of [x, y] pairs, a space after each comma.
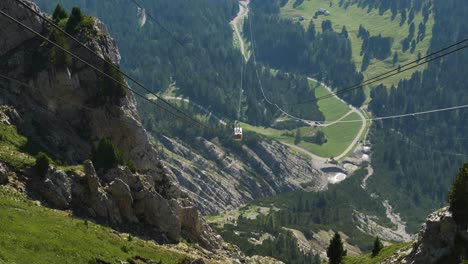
{"points": [[238, 133]]}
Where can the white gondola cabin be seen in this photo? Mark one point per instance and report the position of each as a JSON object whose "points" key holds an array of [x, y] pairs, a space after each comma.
{"points": [[237, 136]]}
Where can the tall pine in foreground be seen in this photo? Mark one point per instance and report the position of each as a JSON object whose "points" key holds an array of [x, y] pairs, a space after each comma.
{"points": [[458, 198], [377, 247], [335, 251]]}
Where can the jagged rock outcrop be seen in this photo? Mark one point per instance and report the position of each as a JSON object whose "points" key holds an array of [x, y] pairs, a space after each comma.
{"points": [[220, 181], [438, 240], [58, 112], [56, 189], [3, 174]]}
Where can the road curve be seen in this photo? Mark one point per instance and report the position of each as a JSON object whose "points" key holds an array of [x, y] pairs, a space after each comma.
{"points": [[353, 110]]}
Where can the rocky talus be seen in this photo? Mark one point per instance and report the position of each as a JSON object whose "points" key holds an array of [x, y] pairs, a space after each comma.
{"points": [[219, 181]]}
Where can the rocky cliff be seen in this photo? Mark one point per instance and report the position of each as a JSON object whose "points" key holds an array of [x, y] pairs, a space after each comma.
{"points": [[219, 181], [56, 109], [440, 241]]}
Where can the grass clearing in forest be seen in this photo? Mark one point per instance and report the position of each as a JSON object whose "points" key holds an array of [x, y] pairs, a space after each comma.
{"points": [[332, 108], [376, 24], [339, 137]]}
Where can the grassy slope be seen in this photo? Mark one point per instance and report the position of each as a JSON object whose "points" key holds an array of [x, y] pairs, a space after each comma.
{"points": [[352, 17], [11, 144], [331, 108], [33, 234], [339, 136], [385, 253]]}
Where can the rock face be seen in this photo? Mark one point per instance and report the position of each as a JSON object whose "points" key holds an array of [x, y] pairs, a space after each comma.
{"points": [[3, 174], [220, 181], [437, 239], [59, 113], [56, 189]]}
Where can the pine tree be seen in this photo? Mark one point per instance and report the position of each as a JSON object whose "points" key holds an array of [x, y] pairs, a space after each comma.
{"points": [[298, 137], [112, 88], [106, 155], [75, 19], [336, 251], [377, 247], [458, 198], [60, 58], [395, 58], [59, 13], [42, 164]]}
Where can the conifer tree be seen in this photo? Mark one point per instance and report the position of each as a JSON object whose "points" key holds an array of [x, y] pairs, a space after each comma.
{"points": [[458, 197], [377, 247], [59, 13], [112, 88], [75, 19], [297, 137], [336, 251], [60, 58]]}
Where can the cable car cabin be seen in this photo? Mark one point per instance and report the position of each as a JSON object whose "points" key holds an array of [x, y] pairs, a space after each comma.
{"points": [[237, 133]]}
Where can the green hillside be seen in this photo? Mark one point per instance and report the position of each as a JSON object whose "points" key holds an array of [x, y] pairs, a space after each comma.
{"points": [[384, 254], [352, 16], [30, 233]]}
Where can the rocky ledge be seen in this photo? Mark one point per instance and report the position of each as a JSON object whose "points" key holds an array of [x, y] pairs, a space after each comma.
{"points": [[439, 241]]}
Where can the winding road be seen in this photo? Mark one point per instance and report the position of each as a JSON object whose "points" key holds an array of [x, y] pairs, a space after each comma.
{"points": [[243, 12], [353, 110]]}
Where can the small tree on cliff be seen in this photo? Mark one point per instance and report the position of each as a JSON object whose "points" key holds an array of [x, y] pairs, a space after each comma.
{"points": [[42, 164], [106, 155], [60, 58], [458, 197], [377, 247], [336, 251], [59, 13], [75, 19], [112, 88]]}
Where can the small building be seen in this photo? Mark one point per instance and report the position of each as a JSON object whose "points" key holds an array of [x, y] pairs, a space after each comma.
{"points": [[322, 11]]}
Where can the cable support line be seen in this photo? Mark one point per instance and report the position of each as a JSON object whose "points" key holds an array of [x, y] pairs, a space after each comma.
{"points": [[426, 149], [101, 58], [68, 102], [260, 82], [378, 79], [241, 87], [383, 78], [160, 24], [185, 117], [403, 115], [426, 59], [418, 132]]}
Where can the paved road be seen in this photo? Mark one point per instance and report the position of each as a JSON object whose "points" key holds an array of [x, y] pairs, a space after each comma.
{"points": [[243, 12], [353, 110]]}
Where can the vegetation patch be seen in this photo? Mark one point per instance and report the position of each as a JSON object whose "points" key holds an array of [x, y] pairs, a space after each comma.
{"points": [[384, 254], [339, 137], [386, 24], [332, 108], [11, 145], [33, 234]]}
